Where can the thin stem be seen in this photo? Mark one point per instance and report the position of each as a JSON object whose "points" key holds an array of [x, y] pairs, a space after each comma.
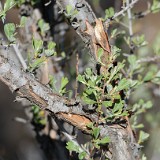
{"points": [[129, 19], [19, 55], [149, 59], [76, 86], [122, 11]]}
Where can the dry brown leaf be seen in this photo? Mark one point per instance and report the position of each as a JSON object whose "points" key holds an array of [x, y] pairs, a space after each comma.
{"points": [[99, 39], [101, 36]]}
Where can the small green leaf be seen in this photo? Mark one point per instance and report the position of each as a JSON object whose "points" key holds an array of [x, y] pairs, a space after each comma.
{"points": [[132, 59], [100, 53], [107, 103], [148, 105], [157, 74], [115, 33], [68, 9], [118, 107], [81, 79], [109, 13], [8, 5], [37, 45], [90, 125], [143, 136], [96, 132], [9, 30], [52, 82], [138, 126], [43, 26], [139, 41], [123, 84], [37, 63], [23, 21], [64, 82], [71, 146], [149, 76], [51, 49], [88, 71], [88, 100], [51, 45], [103, 141], [82, 155], [155, 6]]}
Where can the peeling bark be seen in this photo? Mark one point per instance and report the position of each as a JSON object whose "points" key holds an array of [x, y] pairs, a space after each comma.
{"points": [[25, 86]]}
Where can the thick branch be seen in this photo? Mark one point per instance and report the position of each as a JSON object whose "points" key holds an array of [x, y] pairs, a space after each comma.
{"points": [[78, 21], [25, 86]]}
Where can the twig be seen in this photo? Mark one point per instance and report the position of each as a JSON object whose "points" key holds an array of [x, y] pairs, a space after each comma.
{"points": [[129, 19], [76, 86], [23, 63], [122, 11], [149, 59]]}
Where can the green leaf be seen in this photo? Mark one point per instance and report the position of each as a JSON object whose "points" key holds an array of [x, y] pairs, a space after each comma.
{"points": [[139, 41], [90, 125], [132, 59], [143, 136], [35, 109], [118, 107], [148, 105], [103, 141], [156, 46], [149, 76], [51, 49], [37, 45], [37, 63], [107, 103], [23, 21], [115, 33], [100, 53], [52, 82], [51, 45], [109, 13], [8, 5], [155, 6], [9, 30], [96, 132], [123, 84], [88, 71], [82, 155], [64, 82], [88, 100], [43, 26], [138, 126], [71, 146], [115, 70], [81, 79], [69, 9]]}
